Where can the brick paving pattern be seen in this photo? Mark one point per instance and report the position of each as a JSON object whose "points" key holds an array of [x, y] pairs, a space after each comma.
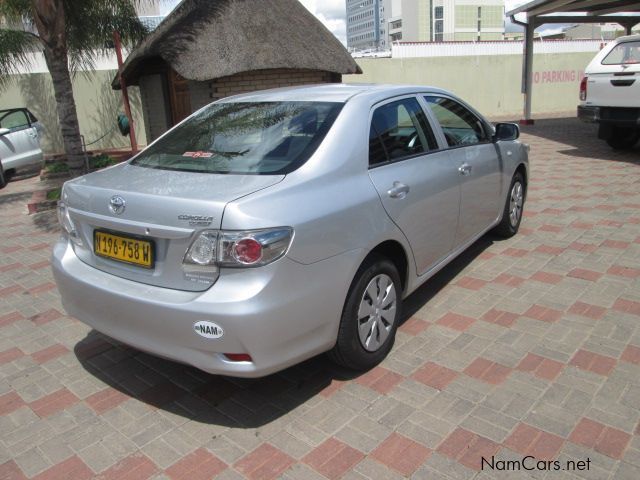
{"points": [[529, 346]]}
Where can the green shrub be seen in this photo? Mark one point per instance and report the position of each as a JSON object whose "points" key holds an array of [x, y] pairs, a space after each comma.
{"points": [[57, 167], [54, 194], [101, 161]]}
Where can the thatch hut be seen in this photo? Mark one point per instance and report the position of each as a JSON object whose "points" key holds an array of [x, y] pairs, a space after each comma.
{"points": [[209, 49]]}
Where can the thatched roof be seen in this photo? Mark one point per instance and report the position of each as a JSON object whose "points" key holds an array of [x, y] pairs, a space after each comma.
{"points": [[206, 39]]}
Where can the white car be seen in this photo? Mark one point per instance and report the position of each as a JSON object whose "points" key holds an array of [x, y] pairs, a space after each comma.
{"points": [[19, 142], [610, 92]]}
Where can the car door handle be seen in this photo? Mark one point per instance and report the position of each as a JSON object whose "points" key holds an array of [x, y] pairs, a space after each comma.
{"points": [[464, 169], [399, 190]]}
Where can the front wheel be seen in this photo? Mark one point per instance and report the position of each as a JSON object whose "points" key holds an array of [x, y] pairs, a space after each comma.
{"points": [[623, 138], [370, 316], [3, 178], [513, 208]]}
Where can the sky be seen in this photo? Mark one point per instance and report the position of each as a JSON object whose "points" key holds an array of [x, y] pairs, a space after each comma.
{"points": [[332, 13]]}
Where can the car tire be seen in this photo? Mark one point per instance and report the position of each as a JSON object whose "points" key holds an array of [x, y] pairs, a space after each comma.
{"points": [[3, 178], [513, 208], [623, 138], [368, 325]]}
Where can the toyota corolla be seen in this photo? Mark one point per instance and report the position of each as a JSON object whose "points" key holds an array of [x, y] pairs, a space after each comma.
{"points": [[273, 226]]}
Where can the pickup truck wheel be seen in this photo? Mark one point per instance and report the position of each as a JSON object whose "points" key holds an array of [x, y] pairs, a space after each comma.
{"points": [[370, 316], [513, 208], [3, 178], [623, 138]]}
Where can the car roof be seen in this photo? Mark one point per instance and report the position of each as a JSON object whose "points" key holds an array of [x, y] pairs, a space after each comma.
{"points": [[330, 92]]}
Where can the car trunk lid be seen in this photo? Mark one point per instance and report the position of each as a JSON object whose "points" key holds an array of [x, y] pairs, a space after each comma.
{"points": [[615, 88], [162, 207]]}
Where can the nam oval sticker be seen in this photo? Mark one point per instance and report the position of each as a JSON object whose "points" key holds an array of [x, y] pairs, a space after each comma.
{"points": [[208, 329]]}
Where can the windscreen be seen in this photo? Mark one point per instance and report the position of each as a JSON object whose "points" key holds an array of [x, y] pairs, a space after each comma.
{"points": [[260, 138], [625, 53]]}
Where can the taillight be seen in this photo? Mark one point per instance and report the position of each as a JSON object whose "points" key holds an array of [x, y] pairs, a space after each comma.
{"points": [[65, 221], [583, 89], [251, 248], [247, 251]]}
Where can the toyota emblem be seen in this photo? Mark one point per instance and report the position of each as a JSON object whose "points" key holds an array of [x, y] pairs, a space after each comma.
{"points": [[117, 204]]}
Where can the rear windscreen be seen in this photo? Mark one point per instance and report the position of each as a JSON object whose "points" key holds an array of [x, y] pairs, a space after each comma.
{"points": [[626, 53], [262, 138]]}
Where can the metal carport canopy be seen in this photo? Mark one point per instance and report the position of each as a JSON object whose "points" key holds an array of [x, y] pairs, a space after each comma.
{"points": [[540, 12]]}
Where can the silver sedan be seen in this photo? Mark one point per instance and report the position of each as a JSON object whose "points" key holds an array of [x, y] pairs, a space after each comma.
{"points": [[273, 226]]}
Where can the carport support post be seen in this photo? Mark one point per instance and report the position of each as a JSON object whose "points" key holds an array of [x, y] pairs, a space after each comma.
{"points": [[527, 70]]}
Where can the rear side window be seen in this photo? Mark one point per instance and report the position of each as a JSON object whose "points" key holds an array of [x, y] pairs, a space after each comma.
{"points": [[14, 120], [626, 53], [259, 138], [460, 126], [399, 130]]}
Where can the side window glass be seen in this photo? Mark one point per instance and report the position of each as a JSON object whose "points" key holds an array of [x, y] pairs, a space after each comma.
{"points": [[377, 153], [460, 126], [398, 130], [14, 120]]}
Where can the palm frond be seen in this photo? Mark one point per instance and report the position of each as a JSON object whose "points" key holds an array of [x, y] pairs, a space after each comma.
{"points": [[16, 47], [14, 11], [90, 26]]}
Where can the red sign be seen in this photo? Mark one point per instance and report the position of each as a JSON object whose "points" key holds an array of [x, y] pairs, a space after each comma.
{"points": [[558, 76]]}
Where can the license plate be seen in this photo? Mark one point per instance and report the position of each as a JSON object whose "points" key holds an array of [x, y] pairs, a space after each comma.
{"points": [[123, 248]]}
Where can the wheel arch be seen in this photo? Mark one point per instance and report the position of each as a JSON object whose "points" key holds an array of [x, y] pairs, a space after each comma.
{"points": [[522, 169], [396, 253]]}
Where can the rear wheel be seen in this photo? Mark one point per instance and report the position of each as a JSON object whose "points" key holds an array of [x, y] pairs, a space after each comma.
{"points": [[623, 138], [370, 316], [513, 208]]}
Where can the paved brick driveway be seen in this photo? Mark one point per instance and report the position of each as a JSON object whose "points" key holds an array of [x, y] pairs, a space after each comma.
{"points": [[526, 346]]}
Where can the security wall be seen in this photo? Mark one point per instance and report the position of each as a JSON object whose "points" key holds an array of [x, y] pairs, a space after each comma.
{"points": [[491, 83], [97, 105]]}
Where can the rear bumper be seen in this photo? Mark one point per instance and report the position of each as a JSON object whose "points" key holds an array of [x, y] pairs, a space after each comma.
{"points": [[589, 114], [280, 314], [622, 116]]}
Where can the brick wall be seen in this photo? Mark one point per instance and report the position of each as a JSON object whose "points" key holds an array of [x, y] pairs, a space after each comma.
{"points": [[203, 93]]}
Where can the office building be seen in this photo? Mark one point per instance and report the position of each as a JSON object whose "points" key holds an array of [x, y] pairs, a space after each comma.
{"points": [[375, 24]]}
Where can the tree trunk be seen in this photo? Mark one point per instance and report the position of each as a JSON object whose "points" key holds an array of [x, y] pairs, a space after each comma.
{"points": [[67, 115], [50, 22]]}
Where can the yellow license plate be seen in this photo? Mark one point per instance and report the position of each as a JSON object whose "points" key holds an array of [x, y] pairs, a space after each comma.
{"points": [[123, 249]]}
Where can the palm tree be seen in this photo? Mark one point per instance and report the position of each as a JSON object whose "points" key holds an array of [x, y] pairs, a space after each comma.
{"points": [[71, 34]]}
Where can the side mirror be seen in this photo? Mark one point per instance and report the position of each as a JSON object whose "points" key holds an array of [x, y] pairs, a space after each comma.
{"points": [[4, 131], [506, 132]]}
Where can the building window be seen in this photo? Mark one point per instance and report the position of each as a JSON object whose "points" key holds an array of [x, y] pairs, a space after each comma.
{"points": [[438, 13], [439, 30], [396, 24]]}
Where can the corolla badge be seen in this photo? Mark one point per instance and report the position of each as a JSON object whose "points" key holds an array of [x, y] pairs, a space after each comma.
{"points": [[196, 219], [208, 329], [117, 204]]}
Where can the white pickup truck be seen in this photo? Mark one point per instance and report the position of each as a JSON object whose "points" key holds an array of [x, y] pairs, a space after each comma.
{"points": [[610, 92]]}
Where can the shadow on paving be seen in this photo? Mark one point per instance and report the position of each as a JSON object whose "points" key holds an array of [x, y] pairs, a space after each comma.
{"points": [[581, 138], [22, 197], [234, 402], [46, 221]]}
